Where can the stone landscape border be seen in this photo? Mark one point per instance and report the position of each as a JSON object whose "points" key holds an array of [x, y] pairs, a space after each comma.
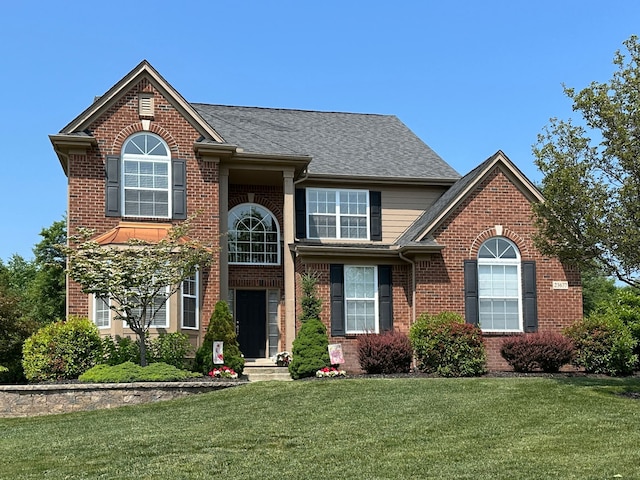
{"points": [[47, 399]]}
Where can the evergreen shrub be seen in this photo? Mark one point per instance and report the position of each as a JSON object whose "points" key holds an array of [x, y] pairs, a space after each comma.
{"points": [[131, 372], [544, 351], [310, 352], [604, 344], [388, 352], [221, 328], [443, 344], [62, 350]]}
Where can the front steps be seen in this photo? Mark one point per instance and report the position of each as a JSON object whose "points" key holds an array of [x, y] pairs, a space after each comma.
{"points": [[263, 369]]}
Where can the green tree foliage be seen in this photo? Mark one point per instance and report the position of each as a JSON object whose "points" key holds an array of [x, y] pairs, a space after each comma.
{"points": [[310, 352], [14, 330], [221, 329], [62, 350], [596, 289], [592, 187], [139, 279], [311, 304]]}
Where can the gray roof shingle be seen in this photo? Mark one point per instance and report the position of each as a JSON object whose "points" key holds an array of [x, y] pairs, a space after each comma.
{"points": [[341, 144]]}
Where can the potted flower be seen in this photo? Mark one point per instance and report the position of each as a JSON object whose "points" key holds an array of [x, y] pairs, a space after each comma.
{"points": [[283, 359]]}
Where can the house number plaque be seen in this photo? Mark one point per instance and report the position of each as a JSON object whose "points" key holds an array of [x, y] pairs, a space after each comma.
{"points": [[560, 285]]}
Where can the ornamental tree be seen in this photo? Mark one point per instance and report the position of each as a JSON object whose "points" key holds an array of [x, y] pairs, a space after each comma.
{"points": [[591, 212], [138, 277]]}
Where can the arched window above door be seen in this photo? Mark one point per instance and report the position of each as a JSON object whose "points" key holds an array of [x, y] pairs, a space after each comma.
{"points": [[254, 235]]}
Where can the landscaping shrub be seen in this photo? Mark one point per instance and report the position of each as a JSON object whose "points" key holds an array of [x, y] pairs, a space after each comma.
{"points": [[537, 351], [221, 328], [131, 372], [388, 352], [170, 348], [310, 352], [604, 344], [62, 350], [119, 350], [445, 345]]}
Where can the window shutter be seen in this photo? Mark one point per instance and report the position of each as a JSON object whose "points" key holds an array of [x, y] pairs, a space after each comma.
{"points": [[179, 191], [375, 215], [336, 275], [385, 297], [301, 213], [471, 291], [529, 296], [112, 186]]}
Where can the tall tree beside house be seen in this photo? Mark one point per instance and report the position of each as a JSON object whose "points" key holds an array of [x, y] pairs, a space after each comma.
{"points": [[138, 278], [310, 352], [591, 213]]}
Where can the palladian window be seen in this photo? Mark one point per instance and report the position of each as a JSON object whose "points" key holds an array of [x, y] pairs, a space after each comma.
{"points": [[254, 235]]}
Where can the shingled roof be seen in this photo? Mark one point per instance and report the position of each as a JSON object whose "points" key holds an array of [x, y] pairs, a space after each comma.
{"points": [[340, 144]]}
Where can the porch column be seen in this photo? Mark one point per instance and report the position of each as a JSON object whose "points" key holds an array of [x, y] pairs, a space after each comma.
{"points": [[288, 238], [223, 219]]}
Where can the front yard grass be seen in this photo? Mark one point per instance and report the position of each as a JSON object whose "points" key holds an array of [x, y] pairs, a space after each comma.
{"points": [[476, 428]]}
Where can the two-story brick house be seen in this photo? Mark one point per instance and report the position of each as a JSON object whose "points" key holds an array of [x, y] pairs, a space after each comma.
{"points": [[389, 228]]}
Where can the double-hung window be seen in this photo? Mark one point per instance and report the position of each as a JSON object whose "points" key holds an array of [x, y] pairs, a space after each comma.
{"points": [[159, 306], [339, 214], [361, 299], [101, 312], [190, 302], [499, 286], [146, 167]]}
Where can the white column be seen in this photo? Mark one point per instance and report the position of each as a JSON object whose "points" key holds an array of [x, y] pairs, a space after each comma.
{"points": [[288, 238], [223, 218]]}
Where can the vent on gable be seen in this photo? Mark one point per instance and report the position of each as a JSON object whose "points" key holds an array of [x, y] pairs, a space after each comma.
{"points": [[145, 104]]}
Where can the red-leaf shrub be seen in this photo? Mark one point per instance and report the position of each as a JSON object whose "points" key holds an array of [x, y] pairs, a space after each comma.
{"points": [[537, 351], [388, 352]]}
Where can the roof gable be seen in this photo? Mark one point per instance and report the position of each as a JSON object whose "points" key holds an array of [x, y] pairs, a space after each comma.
{"points": [[424, 226], [143, 70]]}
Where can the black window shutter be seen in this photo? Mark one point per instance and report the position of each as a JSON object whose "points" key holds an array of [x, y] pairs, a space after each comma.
{"points": [[529, 296], [112, 186], [385, 297], [336, 276], [471, 292], [375, 215], [179, 178], [301, 213]]}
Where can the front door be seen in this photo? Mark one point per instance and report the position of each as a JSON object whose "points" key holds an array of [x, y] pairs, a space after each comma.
{"points": [[251, 322]]}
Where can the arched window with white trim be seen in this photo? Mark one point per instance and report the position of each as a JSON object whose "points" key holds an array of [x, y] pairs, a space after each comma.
{"points": [[254, 235], [499, 286], [146, 167]]}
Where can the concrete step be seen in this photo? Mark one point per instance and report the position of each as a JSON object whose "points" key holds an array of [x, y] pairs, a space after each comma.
{"points": [[259, 373]]}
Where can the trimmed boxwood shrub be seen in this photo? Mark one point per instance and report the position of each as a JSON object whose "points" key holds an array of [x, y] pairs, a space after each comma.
{"points": [[388, 352], [131, 372], [310, 352], [604, 344], [221, 328], [544, 351], [62, 350], [443, 344]]}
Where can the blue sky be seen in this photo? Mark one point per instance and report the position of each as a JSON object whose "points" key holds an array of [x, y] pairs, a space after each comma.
{"points": [[469, 78]]}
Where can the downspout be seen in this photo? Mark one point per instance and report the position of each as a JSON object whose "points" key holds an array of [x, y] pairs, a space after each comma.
{"points": [[413, 285]]}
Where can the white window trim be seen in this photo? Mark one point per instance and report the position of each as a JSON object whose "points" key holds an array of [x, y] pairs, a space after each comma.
{"points": [[147, 158], [374, 299], [338, 215], [196, 276], [244, 205], [96, 302], [517, 262]]}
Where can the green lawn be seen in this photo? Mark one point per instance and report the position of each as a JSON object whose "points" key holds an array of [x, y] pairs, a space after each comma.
{"points": [[480, 428]]}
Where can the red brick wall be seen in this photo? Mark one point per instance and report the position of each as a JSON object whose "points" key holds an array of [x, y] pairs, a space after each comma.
{"points": [[496, 202], [87, 182], [439, 277]]}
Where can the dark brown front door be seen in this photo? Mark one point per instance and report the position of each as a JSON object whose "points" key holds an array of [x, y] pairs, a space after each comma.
{"points": [[251, 321]]}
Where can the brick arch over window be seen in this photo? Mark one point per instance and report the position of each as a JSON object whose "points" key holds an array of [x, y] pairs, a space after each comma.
{"points": [[124, 134], [499, 232]]}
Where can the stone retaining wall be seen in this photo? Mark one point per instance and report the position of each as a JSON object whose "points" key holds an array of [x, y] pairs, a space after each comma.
{"points": [[33, 400]]}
